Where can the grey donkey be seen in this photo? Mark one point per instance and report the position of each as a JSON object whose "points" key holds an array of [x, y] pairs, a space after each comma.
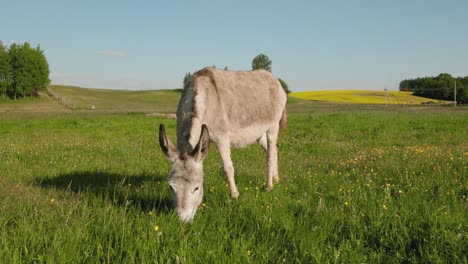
{"points": [[229, 108]]}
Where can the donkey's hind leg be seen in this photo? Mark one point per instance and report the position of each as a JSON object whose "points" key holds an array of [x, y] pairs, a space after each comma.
{"points": [[272, 157], [263, 142]]}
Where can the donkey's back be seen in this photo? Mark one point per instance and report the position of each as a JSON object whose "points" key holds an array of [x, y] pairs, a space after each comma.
{"points": [[239, 106]]}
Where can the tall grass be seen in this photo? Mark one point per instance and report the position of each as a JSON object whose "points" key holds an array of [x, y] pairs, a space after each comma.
{"points": [[359, 186]]}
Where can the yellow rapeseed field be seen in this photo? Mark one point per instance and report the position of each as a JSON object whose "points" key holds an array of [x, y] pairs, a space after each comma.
{"points": [[362, 97]]}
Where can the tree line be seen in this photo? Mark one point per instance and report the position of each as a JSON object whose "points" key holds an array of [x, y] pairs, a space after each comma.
{"points": [[24, 70], [440, 87], [261, 61]]}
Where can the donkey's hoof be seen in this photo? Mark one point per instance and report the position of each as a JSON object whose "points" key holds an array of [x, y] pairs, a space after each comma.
{"points": [[269, 188], [235, 194], [276, 178]]}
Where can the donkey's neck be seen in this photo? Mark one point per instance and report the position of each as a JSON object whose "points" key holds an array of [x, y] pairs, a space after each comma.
{"points": [[189, 121]]}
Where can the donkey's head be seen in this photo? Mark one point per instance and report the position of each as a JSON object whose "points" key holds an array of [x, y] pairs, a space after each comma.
{"points": [[186, 176]]}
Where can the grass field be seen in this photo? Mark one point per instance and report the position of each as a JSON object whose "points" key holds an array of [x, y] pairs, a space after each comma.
{"points": [[119, 100], [363, 97], [358, 185]]}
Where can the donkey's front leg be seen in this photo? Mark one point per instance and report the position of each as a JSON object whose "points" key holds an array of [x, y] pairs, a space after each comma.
{"points": [[224, 149], [272, 157]]}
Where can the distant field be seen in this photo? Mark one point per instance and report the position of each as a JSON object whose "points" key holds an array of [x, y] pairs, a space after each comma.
{"points": [[119, 100], [362, 97], [80, 100]]}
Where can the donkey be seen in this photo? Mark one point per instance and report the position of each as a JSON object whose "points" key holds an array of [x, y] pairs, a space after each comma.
{"points": [[230, 108]]}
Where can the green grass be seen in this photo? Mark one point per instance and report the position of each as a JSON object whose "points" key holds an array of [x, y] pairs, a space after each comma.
{"points": [[356, 186], [363, 97]]}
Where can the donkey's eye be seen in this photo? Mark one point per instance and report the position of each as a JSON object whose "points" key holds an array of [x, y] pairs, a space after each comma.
{"points": [[196, 189]]}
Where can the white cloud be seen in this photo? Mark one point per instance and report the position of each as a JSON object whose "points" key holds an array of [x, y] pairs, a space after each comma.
{"points": [[112, 53]]}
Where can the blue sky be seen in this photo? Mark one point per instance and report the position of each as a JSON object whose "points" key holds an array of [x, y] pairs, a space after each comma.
{"points": [[313, 45]]}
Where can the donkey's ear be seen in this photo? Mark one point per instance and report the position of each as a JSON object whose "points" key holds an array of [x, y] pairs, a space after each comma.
{"points": [[201, 150], [166, 145]]}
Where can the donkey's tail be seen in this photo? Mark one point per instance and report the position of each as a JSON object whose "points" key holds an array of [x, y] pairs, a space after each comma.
{"points": [[284, 120]]}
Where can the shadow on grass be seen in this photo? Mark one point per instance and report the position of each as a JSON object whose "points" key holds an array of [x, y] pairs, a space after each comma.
{"points": [[138, 191]]}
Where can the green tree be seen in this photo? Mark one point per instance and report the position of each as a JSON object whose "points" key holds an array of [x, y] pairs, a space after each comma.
{"points": [[30, 70], [405, 85], [284, 85], [187, 79], [261, 61], [5, 71], [40, 72], [461, 90], [16, 62], [440, 87], [462, 93]]}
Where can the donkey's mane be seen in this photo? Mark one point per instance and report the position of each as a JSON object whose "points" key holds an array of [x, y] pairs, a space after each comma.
{"points": [[185, 114]]}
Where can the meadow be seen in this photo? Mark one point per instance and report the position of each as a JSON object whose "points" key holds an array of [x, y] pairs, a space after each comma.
{"points": [[357, 185]]}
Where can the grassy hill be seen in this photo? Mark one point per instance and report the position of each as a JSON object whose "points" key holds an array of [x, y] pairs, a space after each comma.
{"points": [[362, 97], [40, 104], [119, 100]]}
